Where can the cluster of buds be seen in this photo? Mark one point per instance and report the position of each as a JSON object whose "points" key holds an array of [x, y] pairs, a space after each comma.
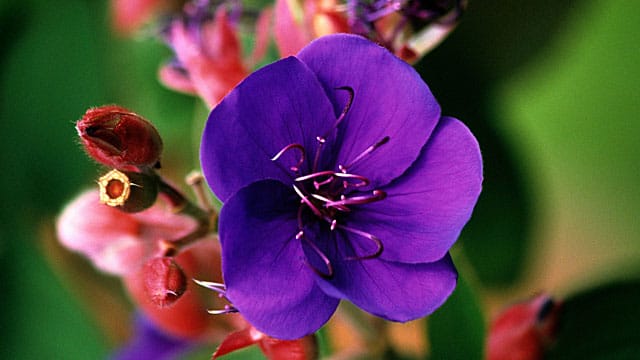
{"points": [[124, 229], [156, 247]]}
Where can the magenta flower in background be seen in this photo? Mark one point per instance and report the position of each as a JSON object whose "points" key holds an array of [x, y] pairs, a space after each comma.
{"points": [[209, 59], [340, 180]]}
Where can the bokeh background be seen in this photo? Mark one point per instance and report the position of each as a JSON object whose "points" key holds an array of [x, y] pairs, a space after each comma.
{"points": [[551, 89]]}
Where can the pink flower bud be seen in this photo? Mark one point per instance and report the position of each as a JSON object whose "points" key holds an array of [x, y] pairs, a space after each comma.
{"points": [[187, 317], [119, 138], [164, 281]]}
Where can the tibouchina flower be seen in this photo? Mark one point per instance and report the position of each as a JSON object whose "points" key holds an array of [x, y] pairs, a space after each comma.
{"points": [[340, 180]]}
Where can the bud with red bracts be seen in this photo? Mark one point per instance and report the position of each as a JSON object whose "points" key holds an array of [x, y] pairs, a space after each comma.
{"points": [[119, 138]]}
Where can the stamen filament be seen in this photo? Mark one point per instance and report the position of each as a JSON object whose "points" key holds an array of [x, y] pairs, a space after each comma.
{"points": [[306, 200], [322, 139], [228, 309], [343, 114], [366, 152], [363, 180], [217, 287], [378, 243], [325, 259], [327, 200], [287, 148], [377, 195], [314, 175]]}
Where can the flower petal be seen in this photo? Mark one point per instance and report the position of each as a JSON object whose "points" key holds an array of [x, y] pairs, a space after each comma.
{"points": [[211, 56], [427, 207], [264, 265], [391, 290], [290, 35], [278, 105], [390, 99]]}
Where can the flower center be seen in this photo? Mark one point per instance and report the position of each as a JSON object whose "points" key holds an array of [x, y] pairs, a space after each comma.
{"points": [[330, 194]]}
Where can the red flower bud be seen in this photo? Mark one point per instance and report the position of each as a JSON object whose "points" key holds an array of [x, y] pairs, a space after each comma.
{"points": [[119, 138], [164, 281], [524, 330], [128, 191]]}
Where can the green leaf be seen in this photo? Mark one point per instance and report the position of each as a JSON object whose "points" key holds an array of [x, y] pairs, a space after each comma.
{"points": [[41, 319], [600, 323], [457, 329]]}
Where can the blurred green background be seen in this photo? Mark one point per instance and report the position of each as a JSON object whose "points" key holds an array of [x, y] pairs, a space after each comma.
{"points": [[551, 89]]}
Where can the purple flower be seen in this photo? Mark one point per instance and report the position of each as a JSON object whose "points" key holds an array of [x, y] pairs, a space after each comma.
{"points": [[340, 181]]}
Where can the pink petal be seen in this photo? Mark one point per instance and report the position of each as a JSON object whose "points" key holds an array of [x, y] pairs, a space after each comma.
{"points": [[290, 36]]}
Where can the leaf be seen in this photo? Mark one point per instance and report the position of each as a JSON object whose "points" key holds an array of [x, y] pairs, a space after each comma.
{"points": [[600, 323], [457, 329]]}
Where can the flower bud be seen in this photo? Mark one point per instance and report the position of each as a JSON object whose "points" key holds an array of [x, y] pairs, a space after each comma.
{"points": [[164, 281], [525, 330], [128, 191], [119, 138]]}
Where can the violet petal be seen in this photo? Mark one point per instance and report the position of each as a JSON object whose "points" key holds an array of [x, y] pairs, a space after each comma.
{"points": [[264, 266], [427, 207], [390, 100], [278, 105], [391, 290]]}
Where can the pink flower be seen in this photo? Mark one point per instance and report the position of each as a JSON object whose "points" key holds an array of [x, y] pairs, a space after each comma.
{"points": [[187, 317], [126, 244], [297, 23], [209, 60], [117, 242]]}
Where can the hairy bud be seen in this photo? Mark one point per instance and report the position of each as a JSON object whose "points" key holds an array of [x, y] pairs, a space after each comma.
{"points": [[164, 281], [119, 138]]}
